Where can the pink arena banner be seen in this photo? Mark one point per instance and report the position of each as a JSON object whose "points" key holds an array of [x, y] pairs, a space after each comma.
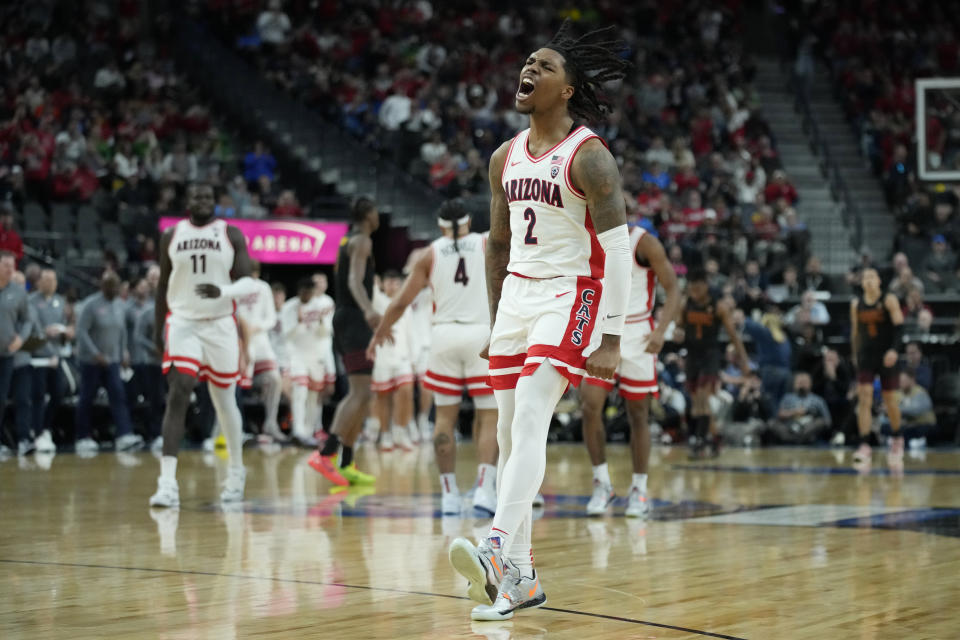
{"points": [[286, 241]]}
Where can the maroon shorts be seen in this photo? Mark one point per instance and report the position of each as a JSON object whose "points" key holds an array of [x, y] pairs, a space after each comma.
{"points": [[889, 377]]}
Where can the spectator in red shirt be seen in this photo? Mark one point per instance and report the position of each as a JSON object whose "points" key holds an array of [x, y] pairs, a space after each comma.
{"points": [[694, 213], [9, 239], [287, 206], [780, 187], [686, 178]]}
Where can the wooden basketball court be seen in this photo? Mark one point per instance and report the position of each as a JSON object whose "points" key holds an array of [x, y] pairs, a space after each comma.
{"points": [[763, 544]]}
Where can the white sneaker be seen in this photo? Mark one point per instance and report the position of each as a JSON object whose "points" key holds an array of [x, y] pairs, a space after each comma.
{"points": [[450, 503], [305, 442], [87, 447], [129, 442], [485, 499], [233, 487], [167, 495], [602, 498], [386, 441], [481, 565], [637, 505], [401, 439], [208, 445], [274, 431], [413, 432], [516, 592], [45, 443], [25, 448], [538, 501], [157, 445]]}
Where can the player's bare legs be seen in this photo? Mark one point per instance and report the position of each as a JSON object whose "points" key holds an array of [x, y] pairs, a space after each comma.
{"points": [[700, 415], [269, 383], [180, 386], [638, 415], [865, 421], [593, 398], [345, 429], [891, 401]]}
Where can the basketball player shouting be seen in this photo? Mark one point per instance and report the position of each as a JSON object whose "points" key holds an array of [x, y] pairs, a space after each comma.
{"points": [[636, 377], [197, 332], [557, 227], [702, 316], [454, 268], [353, 324], [876, 332]]}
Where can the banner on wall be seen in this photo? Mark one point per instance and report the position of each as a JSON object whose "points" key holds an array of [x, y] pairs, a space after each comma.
{"points": [[286, 241]]}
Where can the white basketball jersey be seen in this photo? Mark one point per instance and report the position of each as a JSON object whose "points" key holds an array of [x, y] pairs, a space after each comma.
{"points": [[199, 255], [421, 318], [307, 327], [256, 309], [401, 347], [552, 233], [643, 283], [459, 280]]}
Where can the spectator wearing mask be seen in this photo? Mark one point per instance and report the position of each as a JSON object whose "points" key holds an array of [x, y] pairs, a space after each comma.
{"points": [[9, 238], [50, 314], [101, 350], [15, 328], [918, 365], [802, 416], [916, 411], [939, 268]]}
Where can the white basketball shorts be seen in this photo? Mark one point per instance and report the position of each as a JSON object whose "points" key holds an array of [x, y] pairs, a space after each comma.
{"points": [[455, 364], [205, 349], [637, 373]]}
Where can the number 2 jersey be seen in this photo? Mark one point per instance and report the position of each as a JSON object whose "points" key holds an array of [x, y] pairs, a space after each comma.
{"points": [[459, 280], [199, 255], [552, 232]]}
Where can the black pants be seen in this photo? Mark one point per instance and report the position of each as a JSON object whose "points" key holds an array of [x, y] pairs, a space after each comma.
{"points": [[47, 380], [151, 384], [22, 382]]}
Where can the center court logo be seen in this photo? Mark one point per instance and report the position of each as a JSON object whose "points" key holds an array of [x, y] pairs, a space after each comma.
{"points": [[583, 316]]}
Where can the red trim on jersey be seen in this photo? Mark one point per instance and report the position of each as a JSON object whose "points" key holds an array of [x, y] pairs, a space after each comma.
{"points": [[597, 255], [566, 172], [506, 161], [262, 366], [599, 382], [531, 158]]}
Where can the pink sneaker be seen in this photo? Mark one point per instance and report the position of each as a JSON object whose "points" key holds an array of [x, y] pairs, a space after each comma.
{"points": [[326, 466]]}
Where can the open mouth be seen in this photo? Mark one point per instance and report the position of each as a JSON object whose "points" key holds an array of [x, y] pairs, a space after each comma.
{"points": [[526, 89]]}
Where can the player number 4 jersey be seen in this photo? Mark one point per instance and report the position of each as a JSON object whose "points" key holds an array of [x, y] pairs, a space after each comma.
{"points": [[459, 280], [552, 233], [199, 255]]}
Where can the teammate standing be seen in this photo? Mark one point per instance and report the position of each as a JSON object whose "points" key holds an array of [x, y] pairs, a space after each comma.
{"points": [[636, 377], [876, 333], [558, 238], [353, 324], [307, 322], [198, 335], [259, 316], [702, 316], [453, 266]]}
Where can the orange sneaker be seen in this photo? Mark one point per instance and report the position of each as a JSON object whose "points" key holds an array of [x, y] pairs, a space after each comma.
{"points": [[327, 467]]}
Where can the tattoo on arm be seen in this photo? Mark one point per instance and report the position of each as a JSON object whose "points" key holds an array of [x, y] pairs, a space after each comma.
{"points": [[498, 241], [596, 173]]}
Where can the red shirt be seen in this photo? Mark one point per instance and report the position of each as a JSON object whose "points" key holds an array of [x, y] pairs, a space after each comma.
{"points": [[288, 211], [10, 241], [774, 192]]}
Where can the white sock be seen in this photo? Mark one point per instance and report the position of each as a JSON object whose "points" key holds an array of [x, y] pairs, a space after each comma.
{"points": [[640, 482], [228, 414], [601, 473], [448, 483], [298, 407], [520, 552], [486, 475], [168, 467]]}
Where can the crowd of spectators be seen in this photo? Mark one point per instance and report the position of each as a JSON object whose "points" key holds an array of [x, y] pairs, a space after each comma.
{"points": [[94, 111], [432, 86], [874, 58]]}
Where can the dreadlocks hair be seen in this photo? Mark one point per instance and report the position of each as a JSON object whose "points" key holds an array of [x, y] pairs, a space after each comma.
{"points": [[452, 211], [590, 60]]}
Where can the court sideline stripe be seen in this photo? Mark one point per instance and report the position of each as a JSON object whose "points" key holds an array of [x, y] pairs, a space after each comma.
{"points": [[588, 614]]}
